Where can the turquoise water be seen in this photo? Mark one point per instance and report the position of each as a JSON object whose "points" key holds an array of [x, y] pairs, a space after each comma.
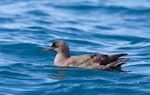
{"points": [[88, 26]]}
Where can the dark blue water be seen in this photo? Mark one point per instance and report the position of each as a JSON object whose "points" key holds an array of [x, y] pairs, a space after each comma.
{"points": [[88, 26]]}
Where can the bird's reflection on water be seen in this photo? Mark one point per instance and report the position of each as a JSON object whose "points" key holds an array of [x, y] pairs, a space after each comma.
{"points": [[60, 73]]}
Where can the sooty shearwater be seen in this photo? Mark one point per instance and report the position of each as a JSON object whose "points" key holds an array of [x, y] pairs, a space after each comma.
{"points": [[91, 61]]}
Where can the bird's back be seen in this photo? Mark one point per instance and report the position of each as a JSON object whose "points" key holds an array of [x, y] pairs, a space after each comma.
{"points": [[94, 61]]}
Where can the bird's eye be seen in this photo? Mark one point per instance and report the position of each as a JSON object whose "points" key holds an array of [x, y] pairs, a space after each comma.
{"points": [[54, 45]]}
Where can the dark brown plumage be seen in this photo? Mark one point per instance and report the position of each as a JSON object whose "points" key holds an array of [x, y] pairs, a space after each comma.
{"points": [[92, 61]]}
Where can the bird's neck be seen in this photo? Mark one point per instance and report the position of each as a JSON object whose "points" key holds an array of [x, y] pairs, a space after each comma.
{"points": [[60, 58]]}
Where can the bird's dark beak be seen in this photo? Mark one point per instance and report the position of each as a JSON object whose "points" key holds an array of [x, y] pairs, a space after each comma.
{"points": [[48, 49]]}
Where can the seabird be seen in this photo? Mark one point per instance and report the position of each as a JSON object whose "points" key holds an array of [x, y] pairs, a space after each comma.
{"points": [[91, 61]]}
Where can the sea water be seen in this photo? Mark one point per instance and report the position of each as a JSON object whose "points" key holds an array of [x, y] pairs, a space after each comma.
{"points": [[88, 26]]}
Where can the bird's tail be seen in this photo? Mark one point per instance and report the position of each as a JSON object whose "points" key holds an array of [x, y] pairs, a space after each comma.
{"points": [[117, 63], [115, 57]]}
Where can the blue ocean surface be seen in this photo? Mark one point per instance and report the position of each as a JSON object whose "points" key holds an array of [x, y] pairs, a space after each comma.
{"points": [[88, 26]]}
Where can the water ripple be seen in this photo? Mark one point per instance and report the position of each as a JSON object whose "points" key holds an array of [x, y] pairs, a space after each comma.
{"points": [[88, 26]]}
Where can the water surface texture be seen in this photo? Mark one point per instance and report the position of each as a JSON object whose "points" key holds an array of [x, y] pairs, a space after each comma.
{"points": [[88, 26]]}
